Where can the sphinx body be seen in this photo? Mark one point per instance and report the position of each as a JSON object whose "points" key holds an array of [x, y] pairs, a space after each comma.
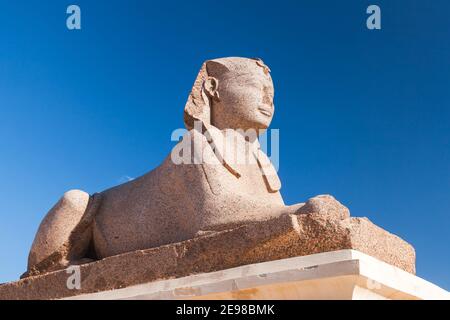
{"points": [[203, 187], [178, 201]]}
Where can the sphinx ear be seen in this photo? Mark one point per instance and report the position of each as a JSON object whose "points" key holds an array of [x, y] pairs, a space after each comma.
{"points": [[211, 87]]}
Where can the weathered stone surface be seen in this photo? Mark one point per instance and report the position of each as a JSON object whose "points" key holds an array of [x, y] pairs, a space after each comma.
{"points": [[219, 207], [52, 232], [338, 275], [209, 190], [286, 236], [326, 206]]}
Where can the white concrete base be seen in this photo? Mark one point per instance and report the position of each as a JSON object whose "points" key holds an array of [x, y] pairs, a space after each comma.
{"points": [[343, 274]]}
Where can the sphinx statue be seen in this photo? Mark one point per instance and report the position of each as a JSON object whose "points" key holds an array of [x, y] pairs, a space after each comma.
{"points": [[206, 191]]}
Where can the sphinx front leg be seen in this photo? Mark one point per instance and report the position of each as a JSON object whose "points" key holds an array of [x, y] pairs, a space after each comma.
{"points": [[65, 235], [323, 205]]}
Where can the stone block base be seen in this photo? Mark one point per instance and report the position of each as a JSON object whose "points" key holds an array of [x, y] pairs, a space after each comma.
{"points": [[280, 238], [343, 275]]}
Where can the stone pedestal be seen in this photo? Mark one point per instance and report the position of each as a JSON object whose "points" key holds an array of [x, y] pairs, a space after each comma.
{"points": [[304, 256], [343, 274]]}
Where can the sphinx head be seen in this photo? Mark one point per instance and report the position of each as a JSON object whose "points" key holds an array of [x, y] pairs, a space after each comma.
{"points": [[232, 93]]}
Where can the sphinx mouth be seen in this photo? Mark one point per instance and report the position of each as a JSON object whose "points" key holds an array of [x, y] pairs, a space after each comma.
{"points": [[265, 111]]}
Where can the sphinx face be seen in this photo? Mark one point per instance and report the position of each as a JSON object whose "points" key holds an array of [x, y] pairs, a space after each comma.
{"points": [[245, 102]]}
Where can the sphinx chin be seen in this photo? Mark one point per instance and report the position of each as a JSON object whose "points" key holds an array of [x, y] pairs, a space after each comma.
{"points": [[263, 123]]}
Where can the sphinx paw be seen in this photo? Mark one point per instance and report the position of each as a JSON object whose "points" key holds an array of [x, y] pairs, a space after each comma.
{"points": [[326, 206]]}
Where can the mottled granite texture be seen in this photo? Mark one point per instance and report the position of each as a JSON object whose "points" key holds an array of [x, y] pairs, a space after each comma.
{"points": [[325, 226]]}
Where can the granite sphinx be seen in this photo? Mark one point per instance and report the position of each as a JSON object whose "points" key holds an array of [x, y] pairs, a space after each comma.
{"points": [[199, 189]]}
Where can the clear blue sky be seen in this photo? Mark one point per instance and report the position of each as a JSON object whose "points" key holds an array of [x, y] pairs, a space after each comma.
{"points": [[363, 115]]}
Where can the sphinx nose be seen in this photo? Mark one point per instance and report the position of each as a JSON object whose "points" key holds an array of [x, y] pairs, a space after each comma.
{"points": [[267, 97]]}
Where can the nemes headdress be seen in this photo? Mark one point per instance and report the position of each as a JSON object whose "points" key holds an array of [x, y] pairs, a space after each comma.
{"points": [[198, 109]]}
